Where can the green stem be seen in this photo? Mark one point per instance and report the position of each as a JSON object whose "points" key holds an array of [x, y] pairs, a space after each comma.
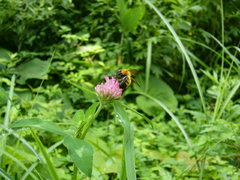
{"points": [[49, 163], [75, 171], [81, 133], [6, 118], [89, 123]]}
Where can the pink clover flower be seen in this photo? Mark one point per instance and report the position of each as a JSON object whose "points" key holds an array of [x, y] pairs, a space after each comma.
{"points": [[109, 89]]}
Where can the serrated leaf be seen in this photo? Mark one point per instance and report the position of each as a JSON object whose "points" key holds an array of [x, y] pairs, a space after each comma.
{"points": [[81, 153], [39, 124]]}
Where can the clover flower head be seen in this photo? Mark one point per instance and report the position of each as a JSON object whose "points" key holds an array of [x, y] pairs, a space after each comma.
{"points": [[109, 90]]}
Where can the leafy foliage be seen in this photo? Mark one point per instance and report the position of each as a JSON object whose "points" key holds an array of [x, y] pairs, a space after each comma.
{"points": [[59, 50]]}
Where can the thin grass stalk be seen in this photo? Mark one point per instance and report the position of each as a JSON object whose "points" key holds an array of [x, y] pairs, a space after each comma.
{"points": [[181, 46], [171, 115], [237, 62], [80, 87], [148, 65], [19, 163], [5, 175], [229, 97], [183, 72], [219, 100], [223, 41], [11, 132], [36, 163], [209, 48], [6, 118], [222, 83], [51, 168], [9, 102], [218, 110], [140, 114]]}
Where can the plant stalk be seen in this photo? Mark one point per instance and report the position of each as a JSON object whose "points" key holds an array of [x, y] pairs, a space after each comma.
{"points": [[81, 133], [6, 118]]}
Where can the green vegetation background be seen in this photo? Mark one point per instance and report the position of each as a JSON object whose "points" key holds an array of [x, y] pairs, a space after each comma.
{"points": [[56, 46]]}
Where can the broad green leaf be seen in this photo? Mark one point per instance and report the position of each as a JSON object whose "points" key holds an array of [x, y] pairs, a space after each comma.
{"points": [[131, 18], [159, 90], [148, 106], [122, 116], [122, 5], [5, 55], [81, 153], [39, 124], [34, 69]]}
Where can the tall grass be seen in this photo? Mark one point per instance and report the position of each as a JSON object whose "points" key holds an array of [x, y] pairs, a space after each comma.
{"points": [[184, 52], [148, 64], [6, 118]]}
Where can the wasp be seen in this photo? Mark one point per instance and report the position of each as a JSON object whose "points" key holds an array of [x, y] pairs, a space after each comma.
{"points": [[125, 78]]}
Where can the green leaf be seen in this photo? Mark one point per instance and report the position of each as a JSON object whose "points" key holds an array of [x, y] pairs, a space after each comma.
{"points": [[91, 111], [122, 116], [122, 5], [131, 18], [159, 90], [34, 69], [5, 55], [81, 153], [79, 116], [39, 124]]}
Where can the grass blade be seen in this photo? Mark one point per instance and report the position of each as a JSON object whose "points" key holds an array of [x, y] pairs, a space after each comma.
{"points": [[229, 97], [237, 62], [39, 124], [148, 64], [36, 163], [6, 118], [5, 175], [9, 102], [184, 51], [172, 116], [140, 114], [122, 116], [51, 168], [19, 164], [24, 142]]}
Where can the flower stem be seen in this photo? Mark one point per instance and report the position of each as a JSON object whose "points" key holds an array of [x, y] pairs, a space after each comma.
{"points": [[81, 133], [89, 123]]}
